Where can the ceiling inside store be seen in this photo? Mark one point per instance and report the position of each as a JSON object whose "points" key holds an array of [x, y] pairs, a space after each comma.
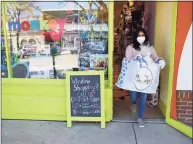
{"points": [[118, 7]]}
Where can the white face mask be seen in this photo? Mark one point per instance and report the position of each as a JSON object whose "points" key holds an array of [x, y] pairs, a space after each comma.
{"points": [[141, 39]]}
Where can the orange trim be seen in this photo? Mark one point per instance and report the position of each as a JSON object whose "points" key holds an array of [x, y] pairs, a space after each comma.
{"points": [[184, 21]]}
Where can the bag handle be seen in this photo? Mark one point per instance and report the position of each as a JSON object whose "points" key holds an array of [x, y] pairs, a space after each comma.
{"points": [[141, 59]]}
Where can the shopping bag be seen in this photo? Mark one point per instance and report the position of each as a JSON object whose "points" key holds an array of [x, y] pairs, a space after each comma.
{"points": [[140, 75], [127, 75]]}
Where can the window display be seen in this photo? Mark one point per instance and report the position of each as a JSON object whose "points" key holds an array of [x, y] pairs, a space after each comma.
{"points": [[4, 72], [4, 69], [47, 43]]}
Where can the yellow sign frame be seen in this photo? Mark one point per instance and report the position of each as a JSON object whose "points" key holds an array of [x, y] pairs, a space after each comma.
{"points": [[71, 118]]}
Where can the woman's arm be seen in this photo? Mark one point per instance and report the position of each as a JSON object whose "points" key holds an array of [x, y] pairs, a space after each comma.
{"points": [[128, 52], [154, 55]]}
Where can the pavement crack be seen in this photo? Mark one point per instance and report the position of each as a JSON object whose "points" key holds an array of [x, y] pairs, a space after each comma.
{"points": [[134, 134]]}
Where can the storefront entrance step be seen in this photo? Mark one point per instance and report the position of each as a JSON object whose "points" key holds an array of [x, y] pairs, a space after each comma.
{"points": [[152, 121]]}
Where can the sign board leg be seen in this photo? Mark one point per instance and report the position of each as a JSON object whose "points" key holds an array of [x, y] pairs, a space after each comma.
{"points": [[103, 124], [69, 123]]}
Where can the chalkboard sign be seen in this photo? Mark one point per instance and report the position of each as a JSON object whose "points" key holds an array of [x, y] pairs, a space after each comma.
{"points": [[85, 96]]}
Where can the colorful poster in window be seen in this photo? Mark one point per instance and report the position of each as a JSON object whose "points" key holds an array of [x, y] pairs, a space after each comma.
{"points": [[29, 50], [70, 41], [44, 50], [99, 62], [84, 62], [94, 46]]}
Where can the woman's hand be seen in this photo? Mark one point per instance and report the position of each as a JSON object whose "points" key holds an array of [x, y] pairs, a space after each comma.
{"points": [[162, 63], [138, 57]]}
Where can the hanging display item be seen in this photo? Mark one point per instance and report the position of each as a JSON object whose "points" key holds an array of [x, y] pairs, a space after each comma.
{"points": [[89, 17]]}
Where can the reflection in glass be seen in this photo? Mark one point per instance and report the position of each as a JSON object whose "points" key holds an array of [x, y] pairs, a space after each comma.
{"points": [[50, 38], [4, 72]]}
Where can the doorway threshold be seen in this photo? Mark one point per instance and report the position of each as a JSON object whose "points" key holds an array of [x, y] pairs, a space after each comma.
{"points": [[152, 121]]}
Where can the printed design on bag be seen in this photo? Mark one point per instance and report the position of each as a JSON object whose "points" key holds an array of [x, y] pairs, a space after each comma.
{"points": [[123, 73], [143, 79]]}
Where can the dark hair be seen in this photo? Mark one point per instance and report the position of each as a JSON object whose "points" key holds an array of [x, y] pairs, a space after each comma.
{"points": [[136, 44]]}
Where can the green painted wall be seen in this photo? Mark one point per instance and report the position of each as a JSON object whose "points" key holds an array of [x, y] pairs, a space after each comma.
{"points": [[37, 99]]}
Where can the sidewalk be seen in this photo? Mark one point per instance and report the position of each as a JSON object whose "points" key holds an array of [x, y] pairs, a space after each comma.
{"points": [[47, 132]]}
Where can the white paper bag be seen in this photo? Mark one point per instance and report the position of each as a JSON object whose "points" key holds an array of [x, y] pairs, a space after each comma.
{"points": [[127, 74], [140, 75]]}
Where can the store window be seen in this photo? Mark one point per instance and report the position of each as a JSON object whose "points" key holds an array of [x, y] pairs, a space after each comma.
{"points": [[4, 60], [50, 38]]}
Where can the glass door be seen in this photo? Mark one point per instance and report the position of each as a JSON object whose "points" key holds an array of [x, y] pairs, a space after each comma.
{"points": [[179, 104]]}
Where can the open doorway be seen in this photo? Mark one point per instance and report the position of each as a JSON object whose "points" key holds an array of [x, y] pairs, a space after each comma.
{"points": [[128, 17]]}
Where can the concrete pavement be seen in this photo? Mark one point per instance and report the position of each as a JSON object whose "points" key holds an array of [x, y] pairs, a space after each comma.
{"points": [[48, 132]]}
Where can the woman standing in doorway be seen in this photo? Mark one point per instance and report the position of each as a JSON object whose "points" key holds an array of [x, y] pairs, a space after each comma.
{"points": [[142, 47]]}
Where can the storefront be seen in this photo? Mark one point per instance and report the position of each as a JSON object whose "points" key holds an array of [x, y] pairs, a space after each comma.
{"points": [[39, 51], [32, 84]]}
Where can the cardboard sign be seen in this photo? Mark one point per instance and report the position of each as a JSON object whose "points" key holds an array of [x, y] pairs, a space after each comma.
{"points": [[30, 49]]}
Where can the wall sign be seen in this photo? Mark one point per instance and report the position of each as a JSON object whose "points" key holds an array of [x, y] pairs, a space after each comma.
{"points": [[37, 24], [85, 97], [53, 24]]}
